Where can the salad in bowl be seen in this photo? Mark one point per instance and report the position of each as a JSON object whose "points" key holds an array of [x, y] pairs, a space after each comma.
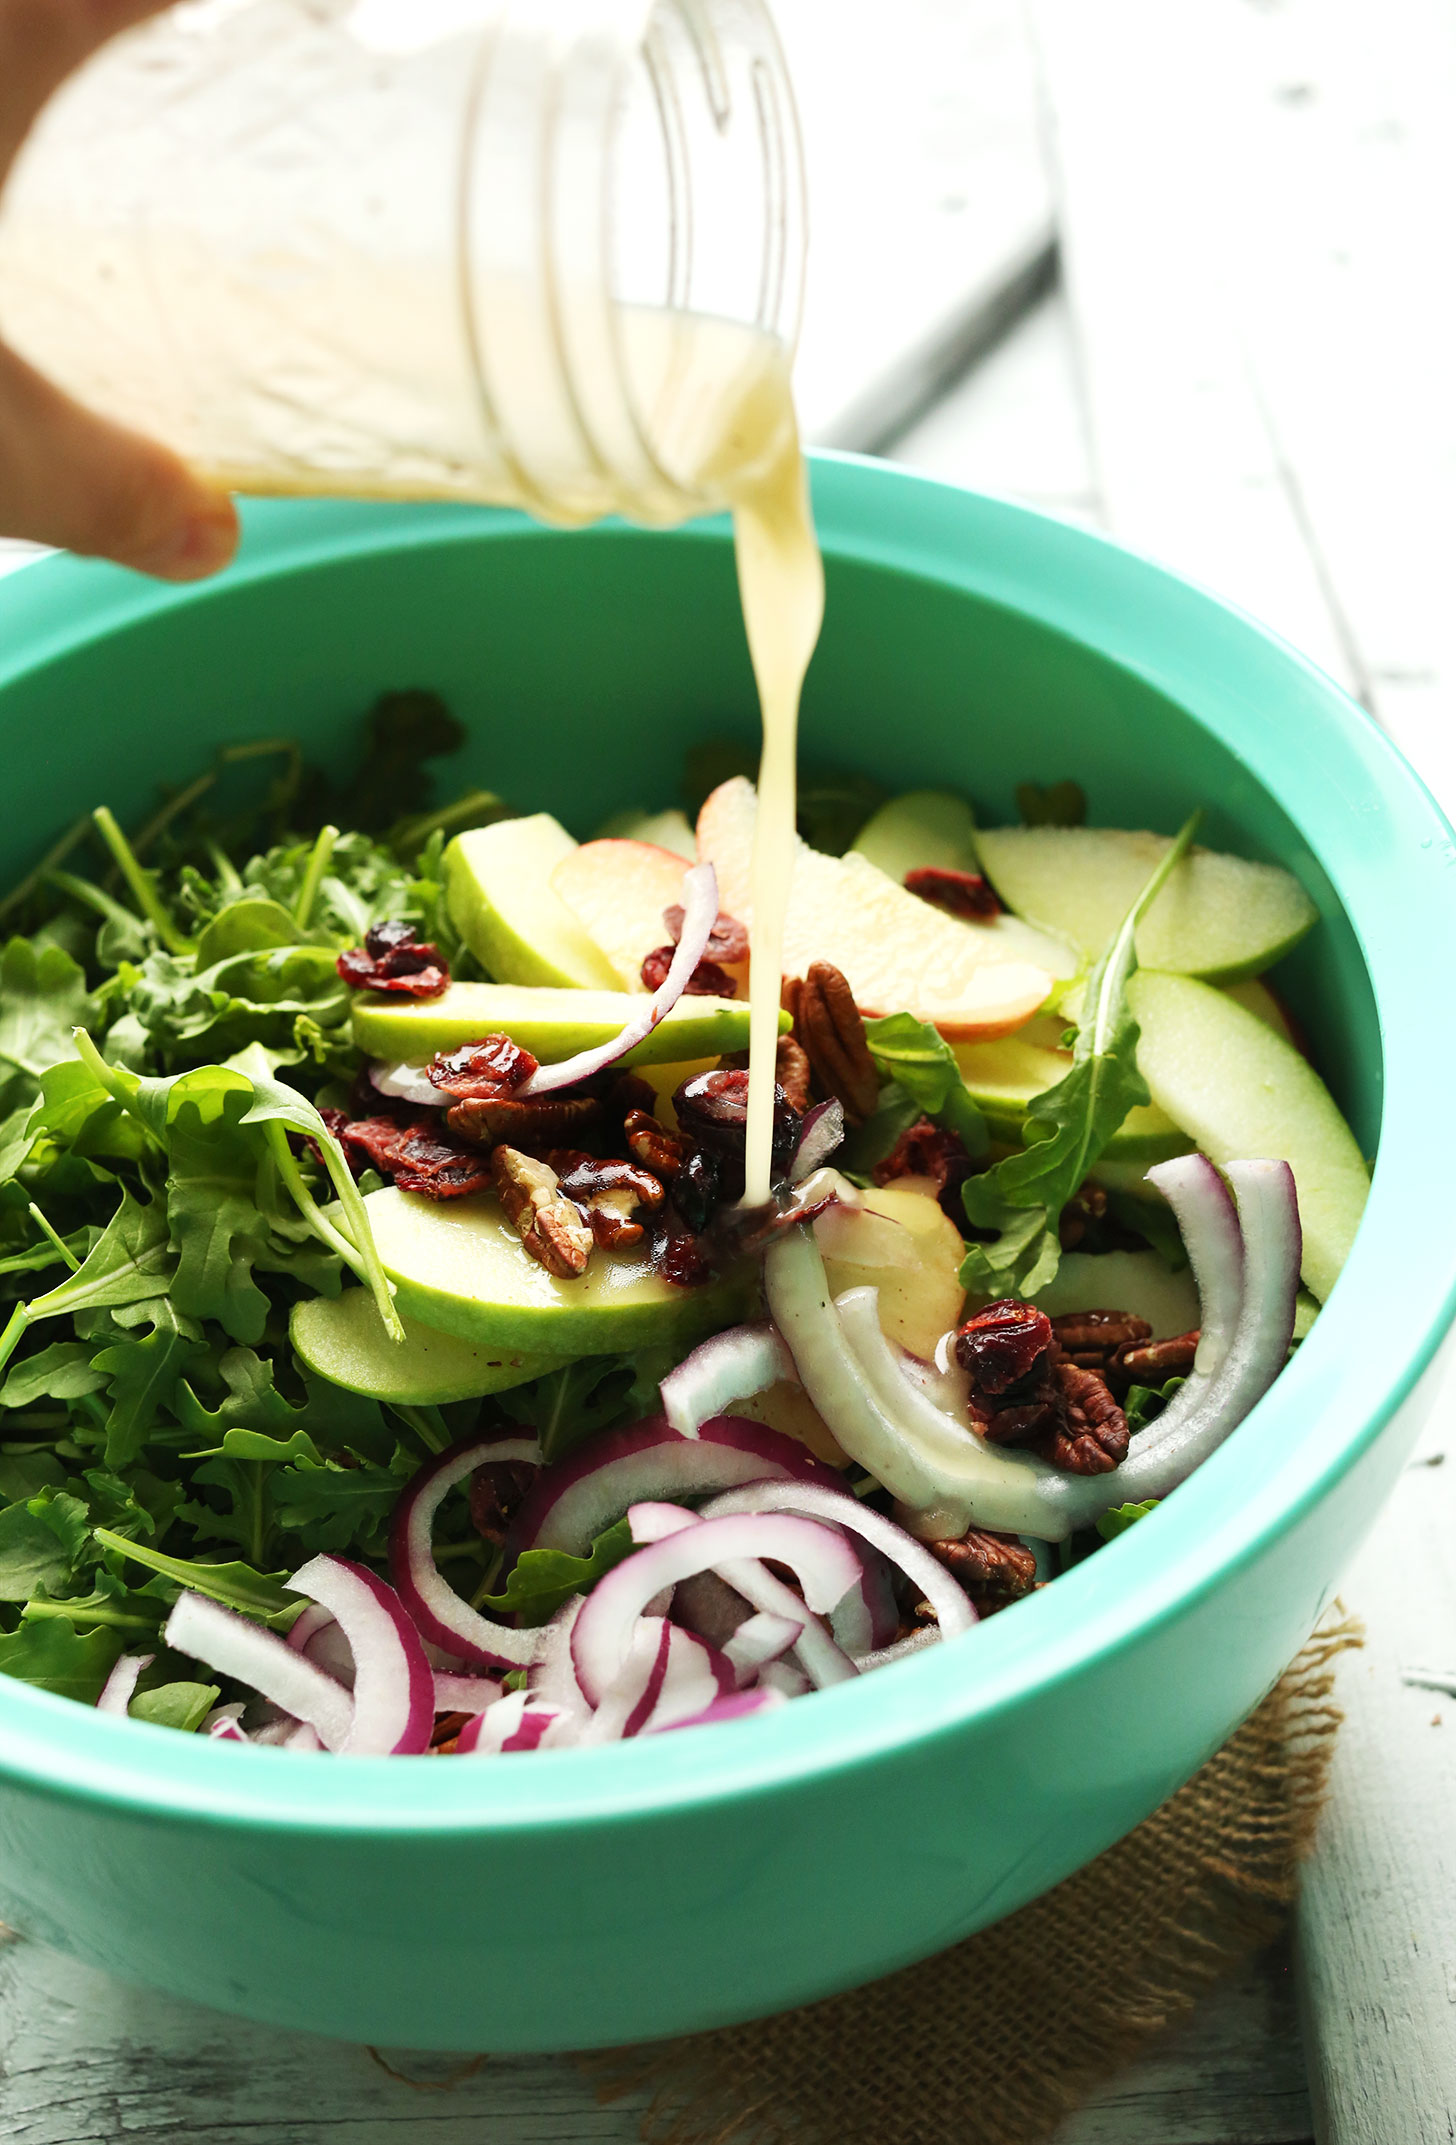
{"points": [[394, 1365]]}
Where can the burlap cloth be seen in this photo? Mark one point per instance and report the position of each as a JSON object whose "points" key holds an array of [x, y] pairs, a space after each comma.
{"points": [[995, 2041]]}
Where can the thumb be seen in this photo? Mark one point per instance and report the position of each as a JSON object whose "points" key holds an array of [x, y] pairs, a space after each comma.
{"points": [[82, 483]]}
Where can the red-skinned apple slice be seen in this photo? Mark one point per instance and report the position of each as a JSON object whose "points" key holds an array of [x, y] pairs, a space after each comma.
{"points": [[618, 889], [899, 954]]}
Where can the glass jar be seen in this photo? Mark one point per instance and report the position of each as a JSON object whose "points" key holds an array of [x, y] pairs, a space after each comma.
{"points": [[525, 251]]}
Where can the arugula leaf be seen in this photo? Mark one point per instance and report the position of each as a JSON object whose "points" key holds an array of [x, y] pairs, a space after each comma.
{"points": [[43, 996], [1154, 1224], [1145, 1403], [237, 1586], [1123, 1516], [32, 1554], [129, 1263], [143, 1375], [109, 1604], [332, 1507], [594, 1393], [175, 1705], [541, 1579], [1066, 1128], [82, 1116], [64, 1371], [921, 1062], [56, 1657]]}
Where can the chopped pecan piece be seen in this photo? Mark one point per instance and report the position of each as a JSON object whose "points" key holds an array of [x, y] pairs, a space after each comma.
{"points": [[993, 1568], [446, 1736], [611, 1193], [393, 959], [707, 980], [550, 1226], [483, 1071], [728, 940], [657, 1149], [830, 1029], [1155, 1362], [928, 1150], [960, 893], [1092, 1339], [550, 1121], [417, 1155], [1003, 1346]]}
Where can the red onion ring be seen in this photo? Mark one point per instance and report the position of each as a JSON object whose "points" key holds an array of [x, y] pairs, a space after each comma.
{"points": [[577, 1497], [759, 1639], [732, 1365], [819, 1135], [224, 1725], [822, 1561], [700, 913], [394, 1685], [116, 1692], [205, 1631], [517, 1722], [404, 1082], [953, 1611], [736, 1706], [438, 1611], [465, 1694], [782, 1676]]}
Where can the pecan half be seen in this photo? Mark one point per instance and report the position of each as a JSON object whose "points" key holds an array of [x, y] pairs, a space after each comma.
{"points": [[993, 1568], [960, 893], [1155, 1362], [611, 1194], [1090, 1435], [551, 1121], [550, 1226], [393, 959], [1093, 1339], [657, 1149], [829, 1027], [482, 1071]]}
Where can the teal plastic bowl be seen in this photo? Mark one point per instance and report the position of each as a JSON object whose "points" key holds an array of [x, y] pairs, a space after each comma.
{"points": [[589, 1897]]}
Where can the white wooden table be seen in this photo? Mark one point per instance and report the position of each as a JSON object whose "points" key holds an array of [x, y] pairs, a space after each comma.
{"points": [[1245, 371]]}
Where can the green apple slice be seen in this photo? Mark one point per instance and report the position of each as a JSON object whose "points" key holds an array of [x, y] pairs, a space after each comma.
{"points": [[459, 1266], [551, 1024], [1135, 1281], [1244, 1094], [926, 828], [498, 887], [1005, 1077], [343, 1339], [1219, 917]]}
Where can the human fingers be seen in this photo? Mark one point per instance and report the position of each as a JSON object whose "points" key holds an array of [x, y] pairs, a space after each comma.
{"points": [[76, 480]]}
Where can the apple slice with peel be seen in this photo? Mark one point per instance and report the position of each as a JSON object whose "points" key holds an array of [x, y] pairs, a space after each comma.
{"points": [[899, 953], [1219, 917], [498, 886], [460, 1267], [343, 1339], [1135, 1281], [551, 1024], [924, 829], [665, 830], [896, 1238], [1004, 1078], [617, 890], [1240, 1091]]}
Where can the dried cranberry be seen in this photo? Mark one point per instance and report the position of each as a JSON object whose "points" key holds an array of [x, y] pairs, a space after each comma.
{"points": [[496, 1495], [393, 959], [928, 1150], [682, 1260], [697, 1187], [959, 893], [418, 1157], [1003, 1344], [481, 1071], [707, 980], [727, 941], [712, 1109]]}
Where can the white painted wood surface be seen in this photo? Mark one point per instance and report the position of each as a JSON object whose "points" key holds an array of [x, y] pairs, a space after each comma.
{"points": [[1256, 198]]}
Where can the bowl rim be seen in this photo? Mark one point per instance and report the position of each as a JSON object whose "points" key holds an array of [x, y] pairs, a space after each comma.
{"points": [[1388, 852]]}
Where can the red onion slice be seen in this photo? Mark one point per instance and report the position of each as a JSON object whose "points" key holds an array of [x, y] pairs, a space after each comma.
{"points": [[782, 1676], [700, 913], [408, 1083], [733, 1365], [231, 1644], [821, 1560], [438, 1611], [304, 1737], [120, 1685], [1215, 1398], [518, 1722], [551, 1678], [317, 1634], [820, 1134], [761, 1638], [824, 1659], [394, 1685], [736, 1706], [224, 1725], [465, 1694], [577, 1497], [953, 1611]]}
